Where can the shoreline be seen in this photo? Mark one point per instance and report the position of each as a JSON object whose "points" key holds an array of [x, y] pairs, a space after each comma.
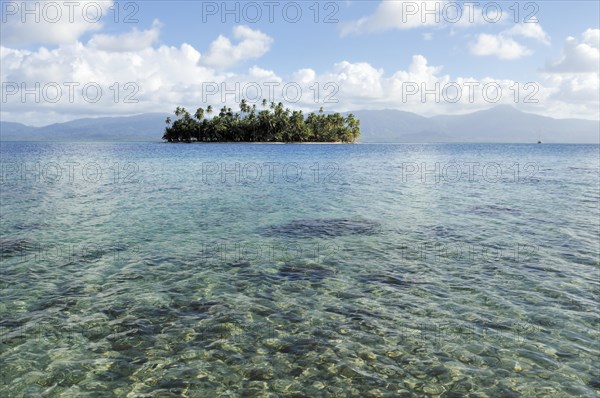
{"points": [[264, 143]]}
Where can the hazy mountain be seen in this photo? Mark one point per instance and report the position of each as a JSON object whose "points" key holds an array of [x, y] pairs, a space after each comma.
{"points": [[498, 124], [145, 127], [15, 129], [507, 124], [397, 126]]}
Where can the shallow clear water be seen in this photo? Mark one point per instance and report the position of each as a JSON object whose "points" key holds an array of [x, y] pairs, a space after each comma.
{"points": [[164, 270]]}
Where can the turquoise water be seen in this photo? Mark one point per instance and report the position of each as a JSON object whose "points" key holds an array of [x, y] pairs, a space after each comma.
{"points": [[157, 270]]}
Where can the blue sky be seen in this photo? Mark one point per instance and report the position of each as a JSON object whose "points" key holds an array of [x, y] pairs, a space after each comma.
{"points": [[371, 53], [390, 49]]}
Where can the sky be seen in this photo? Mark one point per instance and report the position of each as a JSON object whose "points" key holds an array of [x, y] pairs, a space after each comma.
{"points": [[63, 60]]}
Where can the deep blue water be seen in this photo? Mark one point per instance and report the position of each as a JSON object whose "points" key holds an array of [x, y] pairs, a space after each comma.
{"points": [[150, 269]]}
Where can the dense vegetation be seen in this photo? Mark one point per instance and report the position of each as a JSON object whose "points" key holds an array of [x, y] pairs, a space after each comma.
{"points": [[275, 124]]}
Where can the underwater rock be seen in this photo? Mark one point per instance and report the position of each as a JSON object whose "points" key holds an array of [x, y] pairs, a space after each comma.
{"points": [[330, 227], [367, 355], [451, 394], [494, 210], [28, 226], [298, 346], [595, 382], [13, 247], [239, 264], [438, 371], [259, 374], [305, 272], [201, 306], [296, 372], [442, 232], [72, 290], [349, 372], [114, 311], [386, 279]]}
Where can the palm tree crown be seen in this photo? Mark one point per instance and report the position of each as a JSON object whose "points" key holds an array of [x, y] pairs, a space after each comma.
{"points": [[275, 124]]}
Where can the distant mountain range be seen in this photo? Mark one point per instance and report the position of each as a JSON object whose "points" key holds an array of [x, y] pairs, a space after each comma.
{"points": [[145, 127], [499, 124]]}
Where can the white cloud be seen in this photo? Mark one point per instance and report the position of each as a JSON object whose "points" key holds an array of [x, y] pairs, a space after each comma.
{"points": [[401, 15], [578, 88], [579, 56], [130, 41], [160, 78], [591, 37], [261, 74], [170, 76], [530, 30], [125, 67], [499, 46], [395, 15], [361, 86], [51, 23], [304, 76], [473, 16], [359, 79], [575, 78], [504, 46], [223, 54], [419, 71]]}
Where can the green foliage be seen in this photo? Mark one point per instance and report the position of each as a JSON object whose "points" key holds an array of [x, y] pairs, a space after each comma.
{"points": [[275, 124]]}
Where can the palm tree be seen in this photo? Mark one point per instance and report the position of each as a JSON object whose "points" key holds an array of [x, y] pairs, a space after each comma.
{"points": [[353, 126], [199, 114], [274, 124], [244, 107]]}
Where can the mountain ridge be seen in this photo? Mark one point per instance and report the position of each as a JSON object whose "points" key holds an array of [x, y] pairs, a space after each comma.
{"points": [[502, 123]]}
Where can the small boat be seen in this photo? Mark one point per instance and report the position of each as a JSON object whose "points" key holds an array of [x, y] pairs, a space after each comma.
{"points": [[539, 142]]}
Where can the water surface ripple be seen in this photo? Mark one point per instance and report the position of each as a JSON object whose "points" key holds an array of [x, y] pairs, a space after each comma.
{"points": [[155, 270]]}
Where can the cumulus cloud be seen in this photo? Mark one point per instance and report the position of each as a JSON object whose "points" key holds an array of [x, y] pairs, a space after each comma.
{"points": [[579, 88], [530, 30], [129, 73], [579, 56], [252, 44], [591, 37], [575, 77], [504, 46], [402, 15], [50, 23], [164, 77], [358, 79], [146, 80], [263, 74], [394, 15], [499, 46], [304, 76], [130, 41]]}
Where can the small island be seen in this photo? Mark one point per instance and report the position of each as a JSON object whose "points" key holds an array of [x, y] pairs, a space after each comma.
{"points": [[273, 124]]}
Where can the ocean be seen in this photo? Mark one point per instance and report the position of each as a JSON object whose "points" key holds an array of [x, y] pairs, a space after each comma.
{"points": [[209, 270]]}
